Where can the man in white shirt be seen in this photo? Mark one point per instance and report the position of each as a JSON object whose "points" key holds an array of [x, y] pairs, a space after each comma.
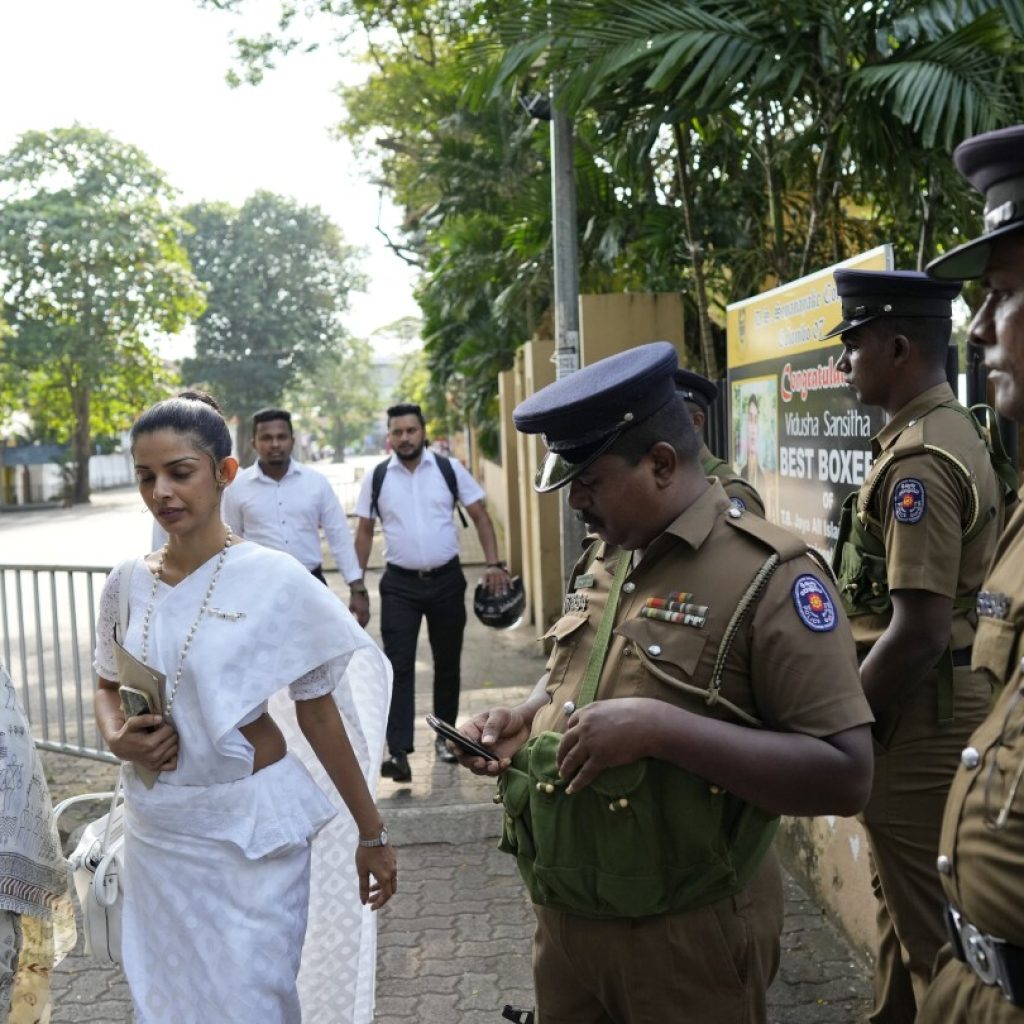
{"points": [[279, 503], [422, 576]]}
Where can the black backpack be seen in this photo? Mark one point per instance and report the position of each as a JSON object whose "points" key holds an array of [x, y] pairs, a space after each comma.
{"points": [[443, 463]]}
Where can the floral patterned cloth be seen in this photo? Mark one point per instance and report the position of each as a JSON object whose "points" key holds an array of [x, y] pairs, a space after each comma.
{"points": [[37, 925]]}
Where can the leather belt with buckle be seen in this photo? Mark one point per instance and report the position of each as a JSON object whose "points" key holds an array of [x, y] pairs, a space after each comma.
{"points": [[994, 961], [425, 574]]}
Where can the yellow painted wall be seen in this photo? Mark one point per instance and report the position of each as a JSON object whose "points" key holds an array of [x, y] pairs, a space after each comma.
{"points": [[538, 513], [613, 323]]}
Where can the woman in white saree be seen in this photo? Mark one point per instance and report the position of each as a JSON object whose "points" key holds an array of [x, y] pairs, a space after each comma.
{"points": [[218, 849]]}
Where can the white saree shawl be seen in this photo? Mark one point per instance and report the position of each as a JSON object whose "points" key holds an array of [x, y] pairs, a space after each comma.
{"points": [[269, 624]]}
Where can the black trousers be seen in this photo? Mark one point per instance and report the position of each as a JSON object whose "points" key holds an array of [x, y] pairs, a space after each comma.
{"points": [[405, 599]]}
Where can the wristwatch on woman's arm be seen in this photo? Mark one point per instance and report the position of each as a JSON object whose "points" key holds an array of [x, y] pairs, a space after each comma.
{"points": [[381, 840]]}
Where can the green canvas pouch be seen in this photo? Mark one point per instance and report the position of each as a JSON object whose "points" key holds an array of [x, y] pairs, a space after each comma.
{"points": [[642, 839]]}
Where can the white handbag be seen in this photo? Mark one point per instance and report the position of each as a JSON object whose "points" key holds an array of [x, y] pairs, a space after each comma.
{"points": [[97, 870], [97, 864]]}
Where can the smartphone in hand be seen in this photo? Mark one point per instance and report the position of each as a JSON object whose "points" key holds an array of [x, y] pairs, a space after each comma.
{"points": [[449, 732]]}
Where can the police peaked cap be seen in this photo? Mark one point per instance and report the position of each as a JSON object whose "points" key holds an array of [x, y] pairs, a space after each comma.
{"points": [[695, 388], [871, 294], [994, 164], [582, 415]]}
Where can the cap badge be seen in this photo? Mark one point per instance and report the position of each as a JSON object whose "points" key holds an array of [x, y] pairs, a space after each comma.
{"points": [[814, 604], [1000, 215]]}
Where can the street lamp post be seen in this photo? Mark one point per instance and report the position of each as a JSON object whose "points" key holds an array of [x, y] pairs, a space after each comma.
{"points": [[567, 294], [564, 237]]}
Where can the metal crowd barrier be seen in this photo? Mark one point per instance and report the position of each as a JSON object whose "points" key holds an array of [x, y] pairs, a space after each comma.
{"points": [[47, 639]]}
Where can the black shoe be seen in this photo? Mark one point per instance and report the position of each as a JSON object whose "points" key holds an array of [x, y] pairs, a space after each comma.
{"points": [[396, 767], [443, 753]]}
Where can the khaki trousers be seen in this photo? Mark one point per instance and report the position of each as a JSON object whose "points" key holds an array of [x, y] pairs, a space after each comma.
{"points": [[712, 965], [915, 760]]}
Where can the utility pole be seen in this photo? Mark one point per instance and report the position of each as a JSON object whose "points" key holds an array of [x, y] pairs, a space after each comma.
{"points": [[567, 294]]}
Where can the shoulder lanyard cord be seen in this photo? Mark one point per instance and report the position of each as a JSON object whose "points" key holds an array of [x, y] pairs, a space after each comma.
{"points": [[604, 632]]}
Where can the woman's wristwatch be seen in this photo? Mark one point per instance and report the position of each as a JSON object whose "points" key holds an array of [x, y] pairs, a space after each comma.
{"points": [[357, 587], [498, 565], [381, 840]]}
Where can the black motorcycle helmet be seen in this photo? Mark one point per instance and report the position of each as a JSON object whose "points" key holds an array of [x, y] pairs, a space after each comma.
{"points": [[503, 611]]}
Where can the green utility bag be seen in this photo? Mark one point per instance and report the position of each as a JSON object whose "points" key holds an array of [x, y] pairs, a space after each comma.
{"points": [[859, 565], [643, 838]]}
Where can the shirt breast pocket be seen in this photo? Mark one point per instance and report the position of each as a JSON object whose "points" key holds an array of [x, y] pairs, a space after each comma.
{"points": [[566, 634], [667, 657]]}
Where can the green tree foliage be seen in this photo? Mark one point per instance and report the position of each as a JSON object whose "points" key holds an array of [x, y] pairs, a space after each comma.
{"points": [[92, 266], [339, 396], [723, 146], [788, 135], [278, 276]]}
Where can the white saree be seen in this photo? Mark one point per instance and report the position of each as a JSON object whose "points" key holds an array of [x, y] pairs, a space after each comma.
{"points": [[217, 859]]}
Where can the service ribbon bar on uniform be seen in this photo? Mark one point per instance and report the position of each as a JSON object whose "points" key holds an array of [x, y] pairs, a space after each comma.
{"points": [[697, 617]]}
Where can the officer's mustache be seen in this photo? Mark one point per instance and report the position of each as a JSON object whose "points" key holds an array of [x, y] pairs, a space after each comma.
{"points": [[595, 522]]}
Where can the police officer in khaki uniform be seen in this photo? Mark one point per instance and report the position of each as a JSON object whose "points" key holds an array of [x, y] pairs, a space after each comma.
{"points": [[981, 859], [725, 692], [698, 393], [910, 558]]}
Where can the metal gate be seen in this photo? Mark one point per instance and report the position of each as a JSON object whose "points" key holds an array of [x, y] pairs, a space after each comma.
{"points": [[47, 639]]}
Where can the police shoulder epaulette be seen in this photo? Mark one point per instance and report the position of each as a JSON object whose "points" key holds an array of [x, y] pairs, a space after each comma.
{"points": [[787, 545]]}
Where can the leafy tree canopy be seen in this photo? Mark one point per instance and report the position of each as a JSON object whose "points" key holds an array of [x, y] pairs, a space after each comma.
{"points": [[92, 266], [339, 399], [723, 146], [278, 277]]}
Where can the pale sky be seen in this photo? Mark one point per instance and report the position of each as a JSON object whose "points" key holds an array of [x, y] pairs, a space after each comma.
{"points": [[151, 72]]}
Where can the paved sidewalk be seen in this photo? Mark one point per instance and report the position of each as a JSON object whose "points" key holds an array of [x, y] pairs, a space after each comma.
{"points": [[454, 944]]}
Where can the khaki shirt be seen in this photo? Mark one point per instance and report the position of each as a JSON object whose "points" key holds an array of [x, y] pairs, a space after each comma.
{"points": [[924, 505], [791, 675], [738, 490], [981, 861]]}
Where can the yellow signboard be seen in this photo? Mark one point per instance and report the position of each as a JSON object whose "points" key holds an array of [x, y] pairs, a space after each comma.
{"points": [[792, 318], [796, 431]]}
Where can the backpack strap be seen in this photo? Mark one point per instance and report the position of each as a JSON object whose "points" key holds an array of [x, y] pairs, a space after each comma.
{"points": [[378, 481], [445, 465]]}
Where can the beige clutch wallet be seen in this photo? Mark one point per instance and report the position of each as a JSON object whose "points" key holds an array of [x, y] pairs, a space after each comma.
{"points": [[139, 686]]}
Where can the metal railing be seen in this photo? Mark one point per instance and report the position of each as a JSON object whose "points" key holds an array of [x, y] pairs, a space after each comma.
{"points": [[47, 639]]}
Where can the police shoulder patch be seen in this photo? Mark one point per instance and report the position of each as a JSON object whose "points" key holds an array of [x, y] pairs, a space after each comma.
{"points": [[908, 500], [814, 604]]}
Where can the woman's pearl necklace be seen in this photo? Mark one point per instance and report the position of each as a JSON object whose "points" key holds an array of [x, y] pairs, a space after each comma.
{"points": [[195, 625]]}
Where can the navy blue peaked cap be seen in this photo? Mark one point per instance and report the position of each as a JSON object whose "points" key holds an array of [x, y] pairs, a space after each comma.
{"points": [[994, 164], [695, 388], [869, 294], [581, 416]]}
